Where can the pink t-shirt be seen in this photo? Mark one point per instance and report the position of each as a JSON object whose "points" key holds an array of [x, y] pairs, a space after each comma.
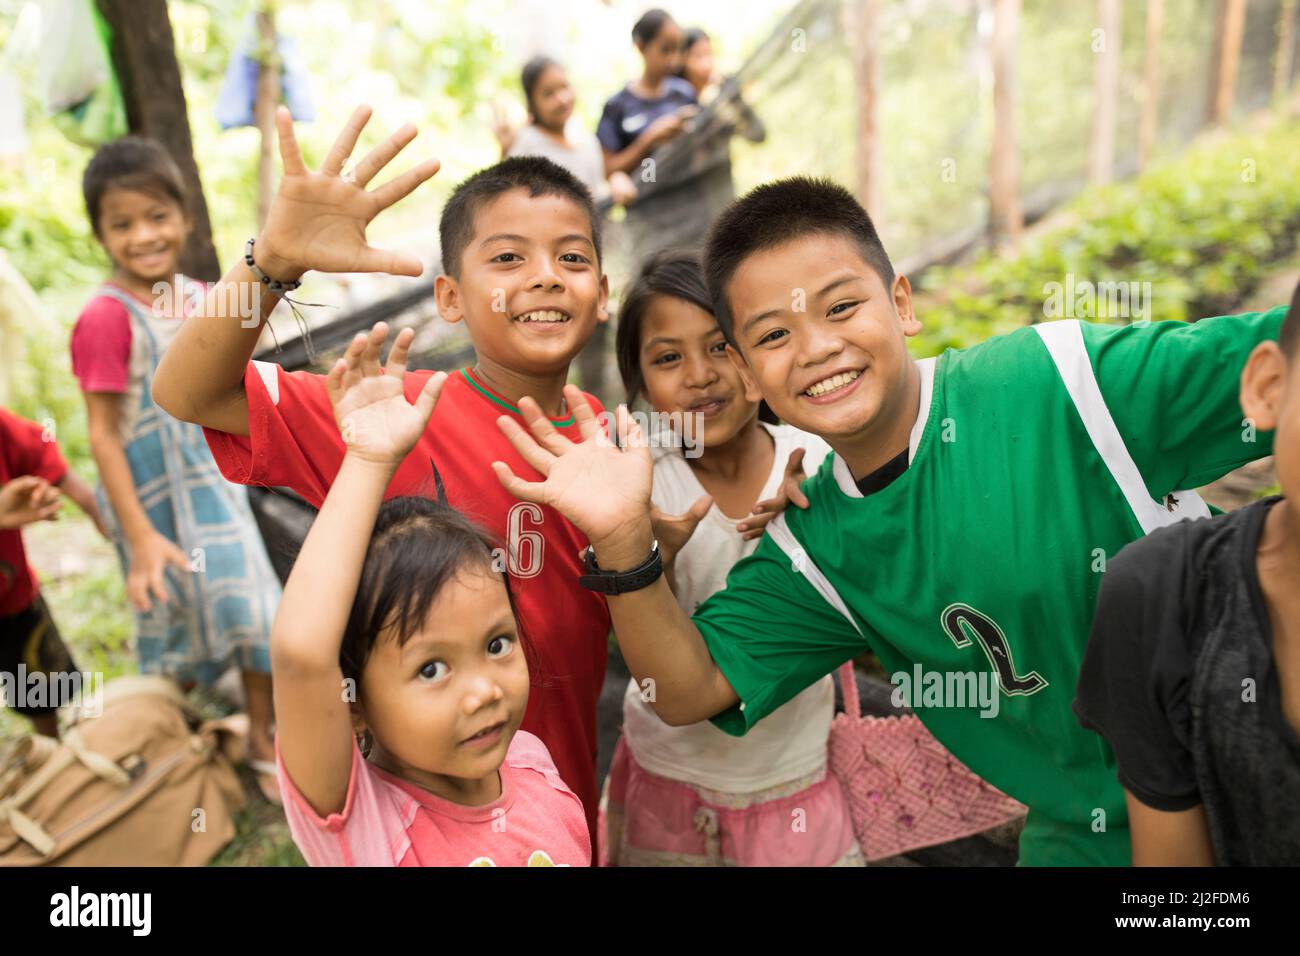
{"points": [[386, 821], [101, 346]]}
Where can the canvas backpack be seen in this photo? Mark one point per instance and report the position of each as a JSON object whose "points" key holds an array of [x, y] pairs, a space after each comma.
{"points": [[145, 782]]}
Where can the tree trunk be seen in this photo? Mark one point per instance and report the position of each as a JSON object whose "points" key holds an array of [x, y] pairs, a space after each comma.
{"points": [[1230, 23], [1006, 219], [866, 70], [1282, 61], [1150, 82], [1105, 109], [264, 105], [144, 59]]}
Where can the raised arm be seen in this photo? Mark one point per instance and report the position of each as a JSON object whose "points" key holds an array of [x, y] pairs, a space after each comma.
{"points": [[313, 720], [316, 221], [605, 491]]}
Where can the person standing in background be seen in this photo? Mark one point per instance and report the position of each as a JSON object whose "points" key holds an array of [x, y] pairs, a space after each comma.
{"points": [[700, 70], [549, 133], [654, 108]]}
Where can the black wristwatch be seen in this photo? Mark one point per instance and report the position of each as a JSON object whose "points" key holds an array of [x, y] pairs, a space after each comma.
{"points": [[621, 582]]}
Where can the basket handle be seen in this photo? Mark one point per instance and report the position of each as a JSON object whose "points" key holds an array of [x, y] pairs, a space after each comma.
{"points": [[849, 688]]}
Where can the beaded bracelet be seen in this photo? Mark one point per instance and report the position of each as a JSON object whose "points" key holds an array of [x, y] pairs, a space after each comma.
{"points": [[272, 285]]}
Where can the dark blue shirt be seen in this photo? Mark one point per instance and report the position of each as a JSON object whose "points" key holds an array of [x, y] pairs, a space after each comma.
{"points": [[626, 115]]}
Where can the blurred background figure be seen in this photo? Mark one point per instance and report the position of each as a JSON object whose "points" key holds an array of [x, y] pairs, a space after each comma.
{"points": [[550, 99], [700, 70], [654, 108]]}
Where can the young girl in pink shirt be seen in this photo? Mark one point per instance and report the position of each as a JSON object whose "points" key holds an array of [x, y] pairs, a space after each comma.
{"points": [[397, 625]]}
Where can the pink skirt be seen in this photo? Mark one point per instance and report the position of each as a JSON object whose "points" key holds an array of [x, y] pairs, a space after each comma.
{"points": [[648, 820]]}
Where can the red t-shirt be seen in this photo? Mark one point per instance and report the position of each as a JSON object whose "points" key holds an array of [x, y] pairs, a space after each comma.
{"points": [[23, 451], [294, 442]]}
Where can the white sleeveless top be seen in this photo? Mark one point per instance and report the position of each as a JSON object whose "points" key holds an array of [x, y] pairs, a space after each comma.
{"points": [[791, 741]]}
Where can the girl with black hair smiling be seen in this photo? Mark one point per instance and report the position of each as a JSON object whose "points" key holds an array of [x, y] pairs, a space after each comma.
{"points": [[693, 795], [549, 133]]}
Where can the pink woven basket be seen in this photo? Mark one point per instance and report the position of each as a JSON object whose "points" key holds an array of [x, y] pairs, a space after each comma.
{"points": [[905, 790]]}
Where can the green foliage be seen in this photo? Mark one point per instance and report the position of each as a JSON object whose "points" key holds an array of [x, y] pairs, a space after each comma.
{"points": [[1201, 228]]}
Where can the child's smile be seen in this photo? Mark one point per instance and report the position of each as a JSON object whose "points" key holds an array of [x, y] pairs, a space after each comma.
{"points": [[685, 368], [533, 262], [812, 319], [142, 233], [835, 386]]}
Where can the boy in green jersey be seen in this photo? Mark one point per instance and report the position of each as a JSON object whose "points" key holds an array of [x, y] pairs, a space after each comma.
{"points": [[960, 531]]}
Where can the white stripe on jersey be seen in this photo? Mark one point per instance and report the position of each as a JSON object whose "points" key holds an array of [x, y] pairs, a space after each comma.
{"points": [[803, 564], [270, 374], [1064, 341]]}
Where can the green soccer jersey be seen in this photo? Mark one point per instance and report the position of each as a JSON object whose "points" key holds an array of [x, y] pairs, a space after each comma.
{"points": [[1035, 457]]}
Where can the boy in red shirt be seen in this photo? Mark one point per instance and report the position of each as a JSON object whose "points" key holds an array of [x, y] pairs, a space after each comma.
{"points": [[32, 473], [520, 248]]}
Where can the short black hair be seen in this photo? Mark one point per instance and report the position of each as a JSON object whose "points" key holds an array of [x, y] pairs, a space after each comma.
{"points": [[775, 213], [1289, 338], [416, 547], [676, 273], [538, 175], [692, 36], [649, 25], [131, 163]]}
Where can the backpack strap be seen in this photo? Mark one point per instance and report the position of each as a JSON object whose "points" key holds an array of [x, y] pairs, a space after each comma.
{"points": [[1064, 341]]}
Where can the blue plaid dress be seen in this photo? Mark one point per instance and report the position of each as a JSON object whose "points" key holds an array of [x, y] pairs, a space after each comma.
{"points": [[220, 612]]}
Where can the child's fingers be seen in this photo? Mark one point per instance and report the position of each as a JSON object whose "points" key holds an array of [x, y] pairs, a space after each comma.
{"points": [[753, 526], [382, 155], [526, 445], [352, 359], [346, 141], [396, 364], [541, 427], [290, 154], [588, 427], [793, 492], [629, 432], [399, 187], [700, 508], [370, 354], [179, 558], [794, 464], [428, 397], [387, 261], [334, 381], [157, 586], [137, 594], [524, 490]]}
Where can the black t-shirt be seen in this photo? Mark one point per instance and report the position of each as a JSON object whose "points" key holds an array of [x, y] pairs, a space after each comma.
{"points": [[1179, 677], [885, 475]]}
